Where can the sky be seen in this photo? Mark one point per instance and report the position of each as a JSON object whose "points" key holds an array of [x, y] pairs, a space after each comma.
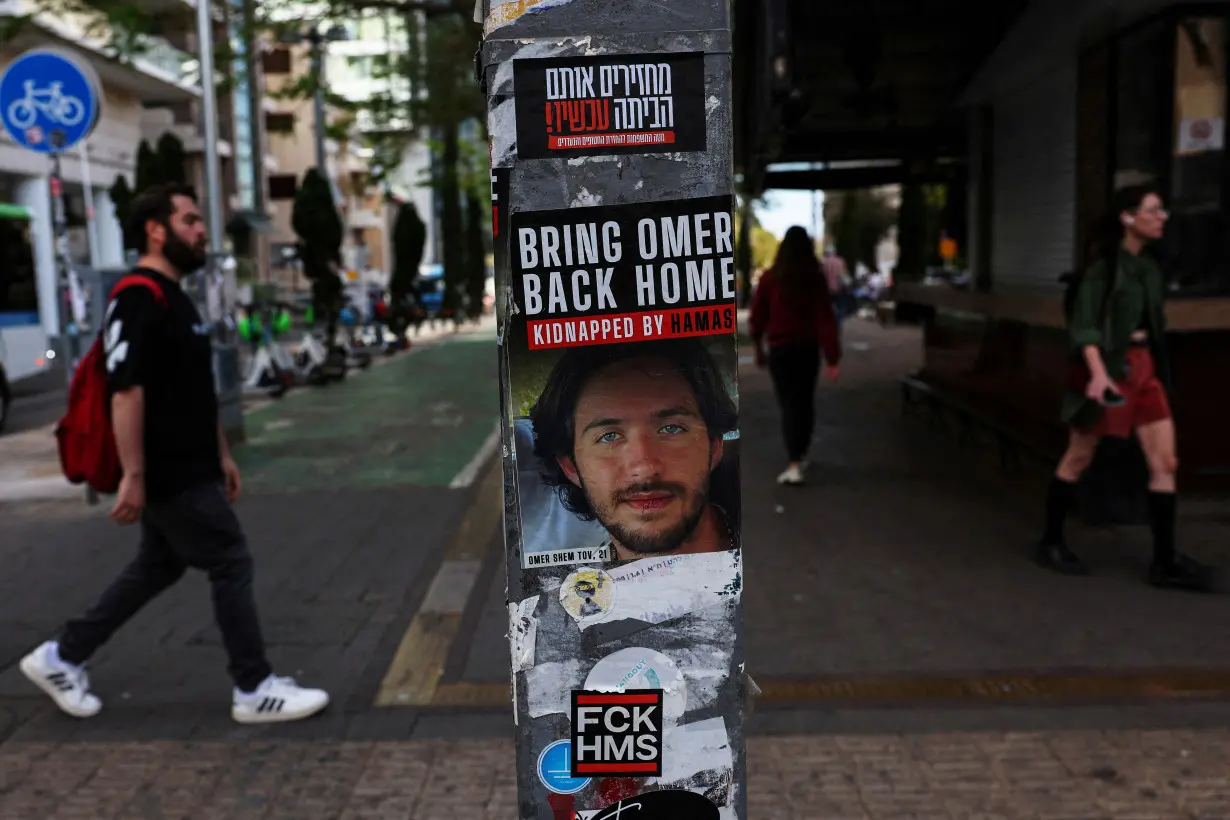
{"points": [[782, 209]]}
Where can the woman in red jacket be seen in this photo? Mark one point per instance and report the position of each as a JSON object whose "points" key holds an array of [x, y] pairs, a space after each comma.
{"points": [[793, 311]]}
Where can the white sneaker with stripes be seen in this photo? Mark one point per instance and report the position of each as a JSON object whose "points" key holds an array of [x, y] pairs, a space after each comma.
{"points": [[278, 700], [68, 685]]}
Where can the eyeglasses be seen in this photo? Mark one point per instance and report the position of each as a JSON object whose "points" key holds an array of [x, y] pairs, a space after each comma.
{"points": [[1162, 212]]}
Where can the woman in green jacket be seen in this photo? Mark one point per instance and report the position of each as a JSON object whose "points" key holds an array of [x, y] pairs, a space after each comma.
{"points": [[1120, 378]]}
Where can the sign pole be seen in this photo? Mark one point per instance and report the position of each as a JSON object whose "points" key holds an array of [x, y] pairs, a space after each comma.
{"points": [[70, 330], [614, 216]]}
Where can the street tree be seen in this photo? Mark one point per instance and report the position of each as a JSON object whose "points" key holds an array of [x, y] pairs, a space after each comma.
{"points": [[149, 167], [430, 95], [173, 159], [121, 196], [409, 242], [856, 221], [317, 223]]}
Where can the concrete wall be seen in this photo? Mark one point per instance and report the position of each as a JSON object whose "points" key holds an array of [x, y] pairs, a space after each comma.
{"points": [[1034, 172]]}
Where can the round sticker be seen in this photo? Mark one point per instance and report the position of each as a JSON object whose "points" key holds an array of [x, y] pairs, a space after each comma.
{"points": [[555, 769], [641, 668], [588, 594]]}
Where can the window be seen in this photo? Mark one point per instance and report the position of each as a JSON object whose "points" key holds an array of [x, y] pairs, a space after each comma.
{"points": [[279, 123], [283, 186], [18, 285], [277, 61], [1197, 231]]}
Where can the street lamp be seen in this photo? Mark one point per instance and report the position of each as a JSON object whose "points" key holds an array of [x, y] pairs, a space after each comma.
{"points": [[317, 38]]}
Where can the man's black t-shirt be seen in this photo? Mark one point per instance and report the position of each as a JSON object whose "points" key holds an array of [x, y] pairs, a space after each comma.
{"points": [[167, 352]]}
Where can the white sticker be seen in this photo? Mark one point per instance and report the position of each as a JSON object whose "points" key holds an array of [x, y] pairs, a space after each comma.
{"points": [[654, 590], [697, 747], [559, 558], [523, 633], [641, 668]]}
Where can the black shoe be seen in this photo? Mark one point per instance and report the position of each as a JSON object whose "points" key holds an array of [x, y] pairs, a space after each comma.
{"points": [[1059, 558], [1186, 574]]}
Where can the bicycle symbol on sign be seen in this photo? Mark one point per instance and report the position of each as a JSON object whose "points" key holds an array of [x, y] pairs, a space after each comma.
{"points": [[51, 101]]}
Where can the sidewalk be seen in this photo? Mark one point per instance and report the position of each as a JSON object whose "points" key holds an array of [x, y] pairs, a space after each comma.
{"points": [[1080, 775], [901, 634]]}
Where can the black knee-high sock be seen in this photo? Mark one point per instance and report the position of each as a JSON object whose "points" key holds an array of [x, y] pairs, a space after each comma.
{"points": [[1162, 518], [1059, 497]]}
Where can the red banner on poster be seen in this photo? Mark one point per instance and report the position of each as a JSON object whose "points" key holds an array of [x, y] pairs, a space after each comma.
{"points": [[646, 326]]}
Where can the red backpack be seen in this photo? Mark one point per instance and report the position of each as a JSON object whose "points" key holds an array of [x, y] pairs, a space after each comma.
{"points": [[85, 437]]}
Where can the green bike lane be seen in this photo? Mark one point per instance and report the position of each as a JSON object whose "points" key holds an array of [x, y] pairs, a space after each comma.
{"points": [[419, 419]]}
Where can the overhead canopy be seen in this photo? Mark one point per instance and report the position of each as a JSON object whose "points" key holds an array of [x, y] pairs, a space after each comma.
{"points": [[846, 80]]}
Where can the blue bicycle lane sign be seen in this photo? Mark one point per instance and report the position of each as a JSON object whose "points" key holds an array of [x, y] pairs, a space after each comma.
{"points": [[49, 100]]}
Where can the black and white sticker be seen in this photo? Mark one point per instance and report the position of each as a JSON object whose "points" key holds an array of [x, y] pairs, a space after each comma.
{"points": [[668, 804], [617, 734]]}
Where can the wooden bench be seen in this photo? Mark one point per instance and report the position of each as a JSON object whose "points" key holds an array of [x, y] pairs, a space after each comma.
{"points": [[939, 405]]}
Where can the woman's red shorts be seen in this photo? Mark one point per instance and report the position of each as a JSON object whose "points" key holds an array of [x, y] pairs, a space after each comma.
{"points": [[1146, 398]]}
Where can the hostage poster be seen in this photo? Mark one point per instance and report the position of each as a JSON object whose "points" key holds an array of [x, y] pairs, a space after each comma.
{"points": [[628, 104], [619, 337]]}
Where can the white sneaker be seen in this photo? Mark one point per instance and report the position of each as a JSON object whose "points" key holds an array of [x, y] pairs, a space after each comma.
{"points": [[792, 477], [278, 700], [68, 685]]}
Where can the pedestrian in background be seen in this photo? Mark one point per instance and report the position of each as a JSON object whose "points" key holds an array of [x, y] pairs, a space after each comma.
{"points": [[792, 314], [1119, 384], [179, 479]]}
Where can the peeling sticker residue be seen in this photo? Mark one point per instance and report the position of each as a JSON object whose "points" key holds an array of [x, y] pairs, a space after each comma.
{"points": [[576, 161], [712, 104], [693, 749], [548, 687], [502, 120], [585, 199], [504, 12], [654, 590], [523, 633]]}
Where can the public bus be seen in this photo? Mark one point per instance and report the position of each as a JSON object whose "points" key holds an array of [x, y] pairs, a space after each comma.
{"points": [[23, 339]]}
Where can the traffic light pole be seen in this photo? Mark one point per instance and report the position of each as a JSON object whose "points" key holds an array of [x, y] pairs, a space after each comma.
{"points": [[614, 219]]}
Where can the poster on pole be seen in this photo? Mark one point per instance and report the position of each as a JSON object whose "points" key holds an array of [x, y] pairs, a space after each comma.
{"points": [[621, 346], [625, 104], [622, 397]]}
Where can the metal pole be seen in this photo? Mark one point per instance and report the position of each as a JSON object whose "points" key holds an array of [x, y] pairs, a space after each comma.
{"points": [[226, 354], [69, 329], [318, 69], [613, 195], [209, 110], [91, 223]]}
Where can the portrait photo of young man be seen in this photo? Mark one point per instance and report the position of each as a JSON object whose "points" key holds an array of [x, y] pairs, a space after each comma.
{"points": [[635, 437]]}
